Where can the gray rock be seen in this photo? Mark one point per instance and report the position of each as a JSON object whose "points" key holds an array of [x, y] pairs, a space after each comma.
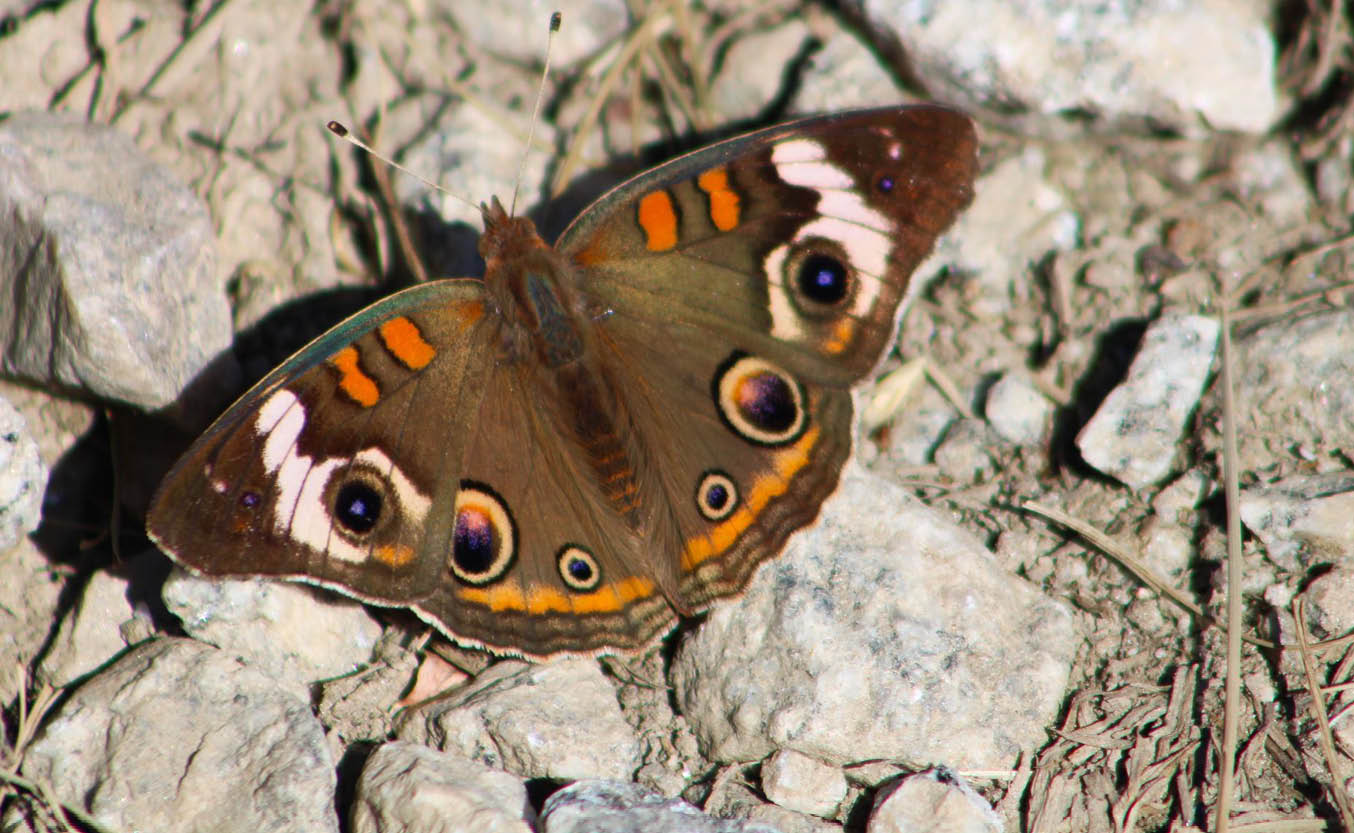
{"points": [[884, 632], [89, 636], [963, 455], [1191, 67], [358, 706], [1270, 177], [1165, 548], [670, 753], [597, 806], [1133, 434], [558, 719], [415, 789], [1303, 518], [177, 735], [916, 433], [239, 112], [742, 89], [110, 261], [44, 32], [1017, 411], [466, 154], [842, 71], [930, 802], [1181, 496], [54, 423], [1334, 180], [29, 595], [797, 782], [1295, 388], [293, 632], [1017, 217], [519, 29], [731, 798], [23, 477]]}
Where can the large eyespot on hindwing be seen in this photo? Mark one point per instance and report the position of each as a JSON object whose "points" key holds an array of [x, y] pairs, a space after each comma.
{"points": [[716, 495], [578, 569], [760, 402], [484, 537]]}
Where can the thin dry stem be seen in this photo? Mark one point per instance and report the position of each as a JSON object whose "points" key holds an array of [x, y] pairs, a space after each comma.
{"points": [[1324, 737]]}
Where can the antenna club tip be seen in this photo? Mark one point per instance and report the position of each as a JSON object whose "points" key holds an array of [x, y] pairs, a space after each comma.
{"points": [[555, 19], [337, 128]]}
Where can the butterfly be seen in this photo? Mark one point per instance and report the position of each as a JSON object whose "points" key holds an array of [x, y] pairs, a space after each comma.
{"points": [[600, 436]]}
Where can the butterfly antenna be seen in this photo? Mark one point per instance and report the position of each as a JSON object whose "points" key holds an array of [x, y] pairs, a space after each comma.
{"points": [[555, 20], [341, 131]]}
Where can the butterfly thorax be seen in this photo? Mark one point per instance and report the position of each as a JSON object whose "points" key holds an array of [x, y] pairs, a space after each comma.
{"points": [[546, 318], [523, 276]]}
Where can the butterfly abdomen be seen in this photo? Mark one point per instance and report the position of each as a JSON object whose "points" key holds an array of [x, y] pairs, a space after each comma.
{"points": [[535, 289], [590, 416]]}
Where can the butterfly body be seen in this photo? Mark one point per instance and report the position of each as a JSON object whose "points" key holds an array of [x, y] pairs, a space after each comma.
{"points": [[601, 435]]}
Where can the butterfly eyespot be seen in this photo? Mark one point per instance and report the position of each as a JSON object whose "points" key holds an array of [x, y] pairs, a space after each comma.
{"points": [[250, 499], [355, 500], [578, 568], [819, 278], [823, 279], [761, 402], [484, 537], [716, 496], [884, 184], [357, 506]]}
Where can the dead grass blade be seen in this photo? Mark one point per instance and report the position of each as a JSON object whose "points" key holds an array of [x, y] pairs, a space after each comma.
{"points": [[1324, 737], [1232, 680]]}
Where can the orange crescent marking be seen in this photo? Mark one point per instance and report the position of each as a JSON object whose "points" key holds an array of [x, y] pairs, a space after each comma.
{"points": [[358, 385], [469, 312], [590, 254], [402, 338], [659, 220], [394, 555], [724, 203], [786, 464], [841, 336]]}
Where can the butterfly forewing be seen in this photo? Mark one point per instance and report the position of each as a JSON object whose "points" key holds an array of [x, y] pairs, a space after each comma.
{"points": [[798, 240], [334, 468]]}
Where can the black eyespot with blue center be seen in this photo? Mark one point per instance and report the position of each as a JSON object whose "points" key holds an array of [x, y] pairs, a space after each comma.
{"points": [[578, 568], [716, 495], [820, 281], [885, 184], [250, 499], [484, 537], [357, 507], [823, 279]]}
